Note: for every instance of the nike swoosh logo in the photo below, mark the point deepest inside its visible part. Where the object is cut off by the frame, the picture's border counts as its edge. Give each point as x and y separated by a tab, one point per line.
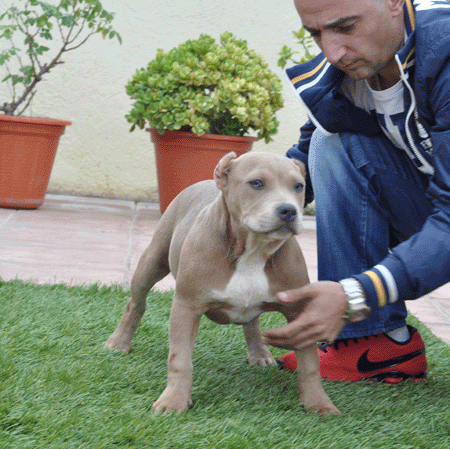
364	365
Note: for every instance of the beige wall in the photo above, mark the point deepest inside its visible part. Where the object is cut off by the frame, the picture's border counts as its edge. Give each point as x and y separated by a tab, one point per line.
97	155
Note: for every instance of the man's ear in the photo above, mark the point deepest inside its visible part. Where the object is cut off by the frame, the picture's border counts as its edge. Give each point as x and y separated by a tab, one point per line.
222	170
396	7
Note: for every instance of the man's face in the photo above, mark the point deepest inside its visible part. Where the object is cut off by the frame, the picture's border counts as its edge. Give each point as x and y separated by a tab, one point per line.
359	37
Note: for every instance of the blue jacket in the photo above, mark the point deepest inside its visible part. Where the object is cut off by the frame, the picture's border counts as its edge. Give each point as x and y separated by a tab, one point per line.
422	263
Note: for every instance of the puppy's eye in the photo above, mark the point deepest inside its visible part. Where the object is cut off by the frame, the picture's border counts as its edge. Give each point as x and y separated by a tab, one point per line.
298	187
257	184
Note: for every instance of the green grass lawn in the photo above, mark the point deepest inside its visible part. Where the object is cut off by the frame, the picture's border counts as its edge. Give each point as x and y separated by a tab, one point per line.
59	388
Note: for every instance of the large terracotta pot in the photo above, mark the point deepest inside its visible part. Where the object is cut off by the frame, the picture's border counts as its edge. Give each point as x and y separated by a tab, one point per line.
27	150
184	158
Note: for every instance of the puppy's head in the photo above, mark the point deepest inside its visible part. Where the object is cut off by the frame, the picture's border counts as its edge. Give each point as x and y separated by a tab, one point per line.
264	192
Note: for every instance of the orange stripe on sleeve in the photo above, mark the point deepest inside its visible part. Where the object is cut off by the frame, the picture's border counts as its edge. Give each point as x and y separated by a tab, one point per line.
381	293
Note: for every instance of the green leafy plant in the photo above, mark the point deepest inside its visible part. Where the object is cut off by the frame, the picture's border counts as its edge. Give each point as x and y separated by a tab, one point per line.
204	87
306	43
27	30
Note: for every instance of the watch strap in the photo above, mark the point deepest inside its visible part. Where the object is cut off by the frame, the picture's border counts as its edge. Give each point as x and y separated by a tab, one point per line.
357	308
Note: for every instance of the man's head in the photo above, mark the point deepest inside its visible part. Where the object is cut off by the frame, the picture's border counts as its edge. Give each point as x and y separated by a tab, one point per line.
359	37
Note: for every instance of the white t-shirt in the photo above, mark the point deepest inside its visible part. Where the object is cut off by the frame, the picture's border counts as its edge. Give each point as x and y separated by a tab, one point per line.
388	106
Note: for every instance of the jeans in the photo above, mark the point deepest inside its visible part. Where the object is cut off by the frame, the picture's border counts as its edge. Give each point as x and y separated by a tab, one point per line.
369	197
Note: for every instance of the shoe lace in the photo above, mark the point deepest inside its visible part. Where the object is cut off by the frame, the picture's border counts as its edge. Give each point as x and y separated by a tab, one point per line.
323	346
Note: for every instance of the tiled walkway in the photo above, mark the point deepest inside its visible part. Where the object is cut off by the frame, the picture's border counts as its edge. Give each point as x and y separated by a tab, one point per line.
76	240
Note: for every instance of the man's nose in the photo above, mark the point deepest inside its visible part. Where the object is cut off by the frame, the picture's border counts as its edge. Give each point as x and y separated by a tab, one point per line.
333	47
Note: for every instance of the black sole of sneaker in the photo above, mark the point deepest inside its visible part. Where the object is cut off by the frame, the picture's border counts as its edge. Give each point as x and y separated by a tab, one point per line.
394	377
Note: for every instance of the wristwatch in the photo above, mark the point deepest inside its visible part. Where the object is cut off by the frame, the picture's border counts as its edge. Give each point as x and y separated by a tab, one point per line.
357	308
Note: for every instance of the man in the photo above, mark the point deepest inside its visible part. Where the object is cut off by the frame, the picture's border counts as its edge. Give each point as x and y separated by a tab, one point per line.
377	148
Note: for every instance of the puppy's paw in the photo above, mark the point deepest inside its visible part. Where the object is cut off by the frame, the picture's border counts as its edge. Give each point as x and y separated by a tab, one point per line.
116	343
318	402
172	402
324	409
261	357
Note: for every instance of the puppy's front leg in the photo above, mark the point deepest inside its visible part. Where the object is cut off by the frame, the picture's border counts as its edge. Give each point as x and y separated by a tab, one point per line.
312	394
183	328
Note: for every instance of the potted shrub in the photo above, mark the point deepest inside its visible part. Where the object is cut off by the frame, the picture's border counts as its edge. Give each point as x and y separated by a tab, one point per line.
200	100
28	53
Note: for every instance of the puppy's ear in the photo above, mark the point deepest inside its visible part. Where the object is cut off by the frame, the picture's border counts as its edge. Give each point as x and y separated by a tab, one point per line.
223	169
301	166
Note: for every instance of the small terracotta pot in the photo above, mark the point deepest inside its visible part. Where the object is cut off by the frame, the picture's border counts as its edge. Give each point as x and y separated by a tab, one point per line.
184	158
27	150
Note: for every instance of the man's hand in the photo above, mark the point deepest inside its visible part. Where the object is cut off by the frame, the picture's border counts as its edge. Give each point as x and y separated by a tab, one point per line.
321	320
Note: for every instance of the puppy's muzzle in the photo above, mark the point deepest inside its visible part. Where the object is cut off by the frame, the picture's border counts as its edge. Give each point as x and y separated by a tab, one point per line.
287	212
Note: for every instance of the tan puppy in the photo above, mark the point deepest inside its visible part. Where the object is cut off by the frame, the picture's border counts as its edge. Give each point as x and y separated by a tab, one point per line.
230	245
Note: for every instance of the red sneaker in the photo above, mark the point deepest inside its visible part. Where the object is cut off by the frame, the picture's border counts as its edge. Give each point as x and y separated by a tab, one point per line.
377	357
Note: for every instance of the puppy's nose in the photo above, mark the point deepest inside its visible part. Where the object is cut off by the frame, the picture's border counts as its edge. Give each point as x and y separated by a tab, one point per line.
287	212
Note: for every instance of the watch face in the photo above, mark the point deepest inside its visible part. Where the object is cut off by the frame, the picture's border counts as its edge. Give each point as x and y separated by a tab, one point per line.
359	312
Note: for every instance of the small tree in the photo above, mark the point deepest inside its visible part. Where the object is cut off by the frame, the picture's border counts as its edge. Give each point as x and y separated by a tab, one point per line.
27	30
305	41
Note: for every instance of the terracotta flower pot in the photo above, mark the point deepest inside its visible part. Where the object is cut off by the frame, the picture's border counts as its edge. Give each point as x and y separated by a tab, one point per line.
27	150
184	158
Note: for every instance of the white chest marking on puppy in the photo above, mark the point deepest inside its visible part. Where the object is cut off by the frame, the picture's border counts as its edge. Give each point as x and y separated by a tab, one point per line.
247	290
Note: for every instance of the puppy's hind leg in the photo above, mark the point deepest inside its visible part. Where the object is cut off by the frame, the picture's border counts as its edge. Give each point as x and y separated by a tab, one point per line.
152	267
258	352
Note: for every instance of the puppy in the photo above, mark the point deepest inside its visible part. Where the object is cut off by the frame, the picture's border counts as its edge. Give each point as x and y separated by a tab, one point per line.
230	245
